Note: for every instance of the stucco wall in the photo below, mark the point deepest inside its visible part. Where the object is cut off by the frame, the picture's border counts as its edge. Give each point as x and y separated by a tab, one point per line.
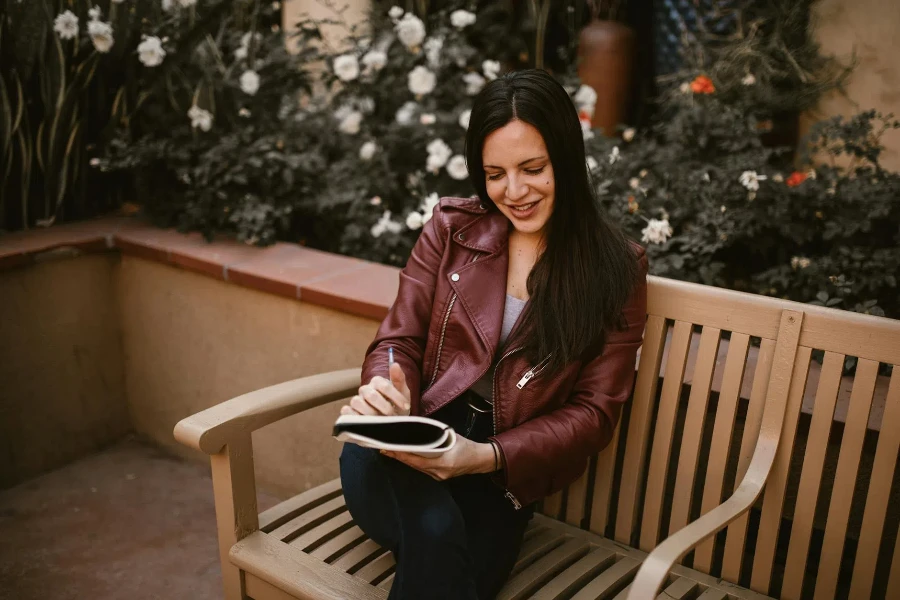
870	27
61	386
191	342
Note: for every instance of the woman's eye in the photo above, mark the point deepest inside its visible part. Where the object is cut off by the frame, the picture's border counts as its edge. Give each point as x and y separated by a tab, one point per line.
495	176
534	171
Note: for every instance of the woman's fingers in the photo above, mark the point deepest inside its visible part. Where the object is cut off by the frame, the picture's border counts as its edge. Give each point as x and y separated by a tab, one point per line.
348	410
386	389
377	401
362	407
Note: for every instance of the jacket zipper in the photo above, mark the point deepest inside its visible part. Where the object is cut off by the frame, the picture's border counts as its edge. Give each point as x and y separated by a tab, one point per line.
437	360
535	370
509	495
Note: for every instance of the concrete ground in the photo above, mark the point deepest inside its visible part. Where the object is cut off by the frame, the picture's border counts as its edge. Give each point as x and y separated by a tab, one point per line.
130	522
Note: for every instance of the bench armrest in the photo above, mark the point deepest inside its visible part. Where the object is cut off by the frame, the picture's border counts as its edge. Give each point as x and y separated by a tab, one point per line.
210	430
659	562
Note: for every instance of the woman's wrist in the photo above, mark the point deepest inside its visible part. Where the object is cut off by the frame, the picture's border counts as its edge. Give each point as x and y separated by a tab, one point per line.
487	458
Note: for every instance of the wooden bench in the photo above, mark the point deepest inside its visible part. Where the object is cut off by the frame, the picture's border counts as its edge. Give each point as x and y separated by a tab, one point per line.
657	511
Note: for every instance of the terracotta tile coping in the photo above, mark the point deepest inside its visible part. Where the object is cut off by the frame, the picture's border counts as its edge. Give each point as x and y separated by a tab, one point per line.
346	284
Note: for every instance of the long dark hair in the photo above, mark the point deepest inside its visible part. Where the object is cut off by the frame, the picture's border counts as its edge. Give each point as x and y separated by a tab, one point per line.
588	269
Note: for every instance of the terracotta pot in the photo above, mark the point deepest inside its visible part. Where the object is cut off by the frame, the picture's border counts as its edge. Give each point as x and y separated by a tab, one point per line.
606	57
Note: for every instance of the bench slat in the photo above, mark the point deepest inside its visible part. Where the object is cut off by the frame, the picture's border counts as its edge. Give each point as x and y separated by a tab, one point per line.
845	478
610	581
576	575
285	511
713	594
536	547
524	583
893	587
576	497
320	534
723	431
679	589
773	499
660	453
378	569
358	556
310	519
811	475
636	443
737	531
552	505
338	545
879	495
692	434
387	582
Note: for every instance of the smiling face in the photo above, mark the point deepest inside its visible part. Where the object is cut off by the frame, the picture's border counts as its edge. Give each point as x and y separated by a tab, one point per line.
519	176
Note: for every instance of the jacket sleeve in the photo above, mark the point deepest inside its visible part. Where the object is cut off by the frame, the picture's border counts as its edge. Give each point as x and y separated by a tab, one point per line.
406	325
545	454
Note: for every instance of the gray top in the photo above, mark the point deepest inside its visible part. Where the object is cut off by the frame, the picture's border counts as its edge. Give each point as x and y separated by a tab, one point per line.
484	387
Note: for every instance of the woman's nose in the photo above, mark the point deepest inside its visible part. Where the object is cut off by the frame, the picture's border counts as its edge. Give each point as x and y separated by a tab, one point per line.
515	189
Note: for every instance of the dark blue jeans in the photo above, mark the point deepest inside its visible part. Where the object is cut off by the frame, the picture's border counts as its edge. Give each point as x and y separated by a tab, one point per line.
454	540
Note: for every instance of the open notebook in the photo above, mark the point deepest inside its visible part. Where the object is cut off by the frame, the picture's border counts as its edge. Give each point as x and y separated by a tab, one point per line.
420	435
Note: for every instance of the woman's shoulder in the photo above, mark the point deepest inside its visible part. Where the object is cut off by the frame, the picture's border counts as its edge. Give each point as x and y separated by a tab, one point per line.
454	212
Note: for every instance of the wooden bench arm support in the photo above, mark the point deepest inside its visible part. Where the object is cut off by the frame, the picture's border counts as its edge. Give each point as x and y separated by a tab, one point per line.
210	430
659	562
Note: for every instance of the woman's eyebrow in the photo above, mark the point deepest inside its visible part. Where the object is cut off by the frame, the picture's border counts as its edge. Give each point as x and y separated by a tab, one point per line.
524	162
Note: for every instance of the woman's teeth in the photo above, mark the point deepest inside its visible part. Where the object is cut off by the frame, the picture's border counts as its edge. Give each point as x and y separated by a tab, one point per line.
524	207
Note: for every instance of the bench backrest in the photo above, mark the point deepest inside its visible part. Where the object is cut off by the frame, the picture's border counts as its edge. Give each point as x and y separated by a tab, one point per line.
688	434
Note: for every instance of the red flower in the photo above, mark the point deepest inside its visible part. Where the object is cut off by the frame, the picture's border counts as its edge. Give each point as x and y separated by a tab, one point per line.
702	85
795	179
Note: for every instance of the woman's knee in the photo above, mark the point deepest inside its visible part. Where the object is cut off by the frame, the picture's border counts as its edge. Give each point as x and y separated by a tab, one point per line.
440	525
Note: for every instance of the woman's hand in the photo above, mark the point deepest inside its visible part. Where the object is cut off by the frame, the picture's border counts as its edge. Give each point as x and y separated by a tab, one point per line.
465	458
381	397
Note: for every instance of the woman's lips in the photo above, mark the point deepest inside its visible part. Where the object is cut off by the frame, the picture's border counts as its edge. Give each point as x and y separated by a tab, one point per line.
524	211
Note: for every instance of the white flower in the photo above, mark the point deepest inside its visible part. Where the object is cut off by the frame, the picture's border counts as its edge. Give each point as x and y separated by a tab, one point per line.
585	99
247	38
385	224
395	13
346	67
427	119
457	168
778	177
685	88
474	83
375	201
634	183
592	163
491	69
421	81
614	155
433	48
95	13
365	105
464	118
438	155
66	25
800	261
187	3
587	132
168	5
118	1
410	30
428	204
643	172
628	134
243	112
150	51
367	151
350	124
414	220
240	53
750	180
462	18
101	35
200	118
250	82
405	113
657	231
374	60
749	79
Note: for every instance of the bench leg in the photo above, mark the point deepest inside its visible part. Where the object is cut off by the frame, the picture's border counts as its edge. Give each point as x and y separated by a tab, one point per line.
237	516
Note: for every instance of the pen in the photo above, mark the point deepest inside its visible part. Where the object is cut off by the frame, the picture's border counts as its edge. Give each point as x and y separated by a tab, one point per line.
390	358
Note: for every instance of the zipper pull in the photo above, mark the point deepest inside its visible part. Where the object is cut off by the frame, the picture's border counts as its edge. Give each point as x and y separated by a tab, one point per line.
525	379
513	499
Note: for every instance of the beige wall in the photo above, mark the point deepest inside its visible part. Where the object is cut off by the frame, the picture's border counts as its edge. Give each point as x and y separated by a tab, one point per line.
872	29
191	342
61	372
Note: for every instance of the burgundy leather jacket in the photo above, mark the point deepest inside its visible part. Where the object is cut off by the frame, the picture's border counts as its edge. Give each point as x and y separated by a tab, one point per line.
445	327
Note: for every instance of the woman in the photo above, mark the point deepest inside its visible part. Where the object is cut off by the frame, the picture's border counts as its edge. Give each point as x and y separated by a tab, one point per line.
517	322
